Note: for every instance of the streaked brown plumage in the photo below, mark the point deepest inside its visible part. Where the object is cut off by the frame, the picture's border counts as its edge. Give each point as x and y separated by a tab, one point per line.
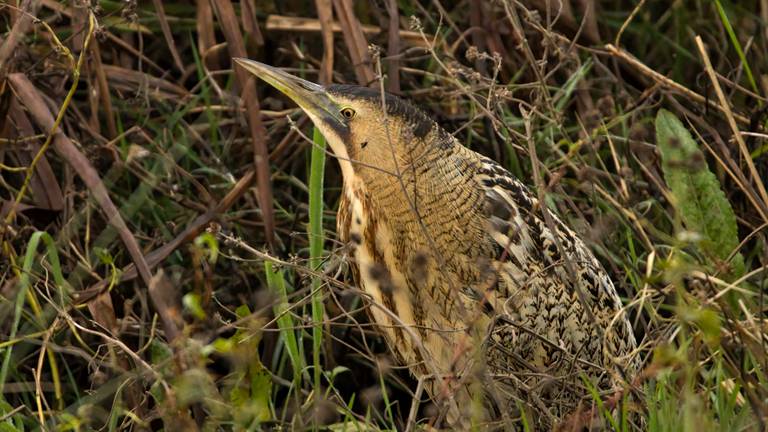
472	289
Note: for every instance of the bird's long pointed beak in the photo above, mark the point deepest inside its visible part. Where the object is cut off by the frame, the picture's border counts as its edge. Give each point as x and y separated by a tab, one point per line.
311	97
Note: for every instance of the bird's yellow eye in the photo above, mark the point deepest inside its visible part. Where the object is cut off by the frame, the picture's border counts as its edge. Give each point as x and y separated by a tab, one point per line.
348	113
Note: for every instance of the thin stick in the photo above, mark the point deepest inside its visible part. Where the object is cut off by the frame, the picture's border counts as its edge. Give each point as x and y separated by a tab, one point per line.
325	15
626	23
668	82
732	123
59	117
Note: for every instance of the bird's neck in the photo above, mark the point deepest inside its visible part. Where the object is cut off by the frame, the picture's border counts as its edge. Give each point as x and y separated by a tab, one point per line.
433	204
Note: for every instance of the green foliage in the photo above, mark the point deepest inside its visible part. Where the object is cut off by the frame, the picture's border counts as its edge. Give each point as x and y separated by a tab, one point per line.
665	412
736	46
701	203
674	403
25	294
208	244
193	304
264	339
316	242
706	320
9	422
285	322
250	386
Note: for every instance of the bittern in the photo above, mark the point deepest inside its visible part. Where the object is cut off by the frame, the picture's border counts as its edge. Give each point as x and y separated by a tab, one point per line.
480	293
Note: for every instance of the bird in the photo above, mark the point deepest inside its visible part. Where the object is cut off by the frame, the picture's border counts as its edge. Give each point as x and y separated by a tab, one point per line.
496	306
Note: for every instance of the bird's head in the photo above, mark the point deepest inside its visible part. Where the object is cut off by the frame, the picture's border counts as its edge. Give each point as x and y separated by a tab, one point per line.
364	134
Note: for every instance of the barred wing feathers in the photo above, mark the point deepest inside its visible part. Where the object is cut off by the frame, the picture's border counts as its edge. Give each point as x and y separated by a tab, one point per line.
548	314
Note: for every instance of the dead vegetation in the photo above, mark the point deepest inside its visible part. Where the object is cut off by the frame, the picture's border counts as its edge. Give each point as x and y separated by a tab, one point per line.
159	251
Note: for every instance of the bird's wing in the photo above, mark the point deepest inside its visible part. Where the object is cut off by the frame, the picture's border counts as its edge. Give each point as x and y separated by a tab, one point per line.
557	294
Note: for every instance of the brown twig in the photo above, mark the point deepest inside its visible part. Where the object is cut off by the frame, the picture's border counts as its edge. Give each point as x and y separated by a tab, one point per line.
33	101
665	82
617	39
514	20
190	232
726	108
44	187
589	17
306	25
393	48
165	298
167	34
325	15
28	11
250	24
229	25
103	90
564	18
206	34
132	79
355	41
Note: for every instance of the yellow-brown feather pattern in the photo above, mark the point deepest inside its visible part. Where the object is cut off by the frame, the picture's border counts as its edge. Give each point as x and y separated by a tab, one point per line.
467	245
478	292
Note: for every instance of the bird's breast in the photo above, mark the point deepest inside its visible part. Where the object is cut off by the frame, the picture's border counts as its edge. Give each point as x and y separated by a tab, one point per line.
412	292
392	307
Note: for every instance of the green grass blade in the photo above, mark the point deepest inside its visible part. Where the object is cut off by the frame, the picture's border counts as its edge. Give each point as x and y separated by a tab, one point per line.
737	46
607	415
276	282
316	240
563	96
24	285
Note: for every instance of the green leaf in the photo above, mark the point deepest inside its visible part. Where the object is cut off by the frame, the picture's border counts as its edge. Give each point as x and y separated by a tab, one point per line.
249	387
208	243
242	311
707	320
194	305
261	391
276	283
709	323
159	352
700	201
11	423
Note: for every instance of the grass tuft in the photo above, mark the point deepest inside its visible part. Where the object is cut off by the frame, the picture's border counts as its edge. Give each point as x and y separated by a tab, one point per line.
169	257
